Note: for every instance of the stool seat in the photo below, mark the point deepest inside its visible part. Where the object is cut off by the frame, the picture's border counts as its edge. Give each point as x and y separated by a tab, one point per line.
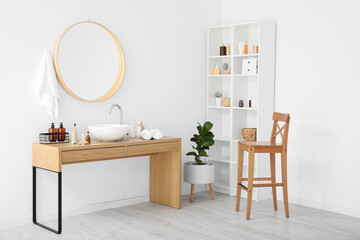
261	147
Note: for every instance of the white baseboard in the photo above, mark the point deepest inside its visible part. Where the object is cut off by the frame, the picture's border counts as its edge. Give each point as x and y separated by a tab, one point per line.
324	206
75	211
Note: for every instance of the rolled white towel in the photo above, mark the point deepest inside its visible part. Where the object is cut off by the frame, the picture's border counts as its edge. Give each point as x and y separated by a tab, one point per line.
146	134
156	134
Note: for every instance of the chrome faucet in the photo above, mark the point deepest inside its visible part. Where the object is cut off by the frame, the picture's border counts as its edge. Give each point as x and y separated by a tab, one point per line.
121	113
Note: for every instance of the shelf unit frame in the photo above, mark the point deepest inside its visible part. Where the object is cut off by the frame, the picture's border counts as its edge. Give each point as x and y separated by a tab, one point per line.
226	166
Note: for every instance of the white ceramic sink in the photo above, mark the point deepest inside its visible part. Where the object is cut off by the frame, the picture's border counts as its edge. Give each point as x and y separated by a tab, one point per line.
109	132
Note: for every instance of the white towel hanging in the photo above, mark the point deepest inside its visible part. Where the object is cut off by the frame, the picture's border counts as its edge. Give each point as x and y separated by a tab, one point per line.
47	88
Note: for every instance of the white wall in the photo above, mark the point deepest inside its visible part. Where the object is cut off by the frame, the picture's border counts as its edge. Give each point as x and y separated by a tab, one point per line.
164	86
317	71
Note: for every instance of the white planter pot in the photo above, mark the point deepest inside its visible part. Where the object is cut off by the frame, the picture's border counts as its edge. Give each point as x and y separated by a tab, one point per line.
218	102
199	174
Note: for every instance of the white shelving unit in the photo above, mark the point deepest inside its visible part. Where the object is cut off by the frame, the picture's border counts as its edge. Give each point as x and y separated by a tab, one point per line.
228	121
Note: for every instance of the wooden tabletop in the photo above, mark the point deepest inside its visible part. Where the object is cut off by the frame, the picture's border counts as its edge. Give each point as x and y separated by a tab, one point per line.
126	141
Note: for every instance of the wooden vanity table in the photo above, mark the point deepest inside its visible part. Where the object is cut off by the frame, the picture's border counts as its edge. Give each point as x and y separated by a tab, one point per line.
165	165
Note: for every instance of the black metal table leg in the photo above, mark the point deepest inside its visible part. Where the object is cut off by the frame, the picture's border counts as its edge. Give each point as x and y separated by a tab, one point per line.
59	203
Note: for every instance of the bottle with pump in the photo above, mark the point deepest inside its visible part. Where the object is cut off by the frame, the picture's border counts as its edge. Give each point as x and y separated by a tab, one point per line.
73	135
246	48
88	139
53	133
138	130
61	131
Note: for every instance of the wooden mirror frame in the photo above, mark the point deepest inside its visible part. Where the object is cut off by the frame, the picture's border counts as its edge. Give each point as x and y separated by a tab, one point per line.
119	77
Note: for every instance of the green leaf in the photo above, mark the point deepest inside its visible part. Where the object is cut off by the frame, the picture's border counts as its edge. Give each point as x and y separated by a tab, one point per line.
200	129
207	126
209	135
208	143
192	154
202	153
197	160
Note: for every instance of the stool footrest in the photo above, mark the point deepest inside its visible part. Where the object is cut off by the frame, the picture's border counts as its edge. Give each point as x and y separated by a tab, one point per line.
268	185
243	187
258	179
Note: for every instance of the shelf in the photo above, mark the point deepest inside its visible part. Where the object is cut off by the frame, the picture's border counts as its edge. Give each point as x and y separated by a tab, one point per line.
222	139
245	108
221	107
219	160
226	56
222	75
241	75
247	55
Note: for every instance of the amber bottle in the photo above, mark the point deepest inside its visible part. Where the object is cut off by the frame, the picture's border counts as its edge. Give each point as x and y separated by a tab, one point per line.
88	139
61	132
222	50
53	133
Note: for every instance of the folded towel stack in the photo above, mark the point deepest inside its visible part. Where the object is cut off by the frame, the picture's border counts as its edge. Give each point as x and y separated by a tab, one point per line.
153	134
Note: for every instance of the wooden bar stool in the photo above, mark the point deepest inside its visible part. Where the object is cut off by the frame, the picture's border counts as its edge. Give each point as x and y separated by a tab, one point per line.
265	147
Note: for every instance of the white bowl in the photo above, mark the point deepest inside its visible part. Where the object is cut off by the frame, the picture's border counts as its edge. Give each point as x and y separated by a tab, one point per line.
109	132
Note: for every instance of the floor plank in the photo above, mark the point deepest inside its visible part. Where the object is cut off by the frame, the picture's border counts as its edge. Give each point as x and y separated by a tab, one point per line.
203	219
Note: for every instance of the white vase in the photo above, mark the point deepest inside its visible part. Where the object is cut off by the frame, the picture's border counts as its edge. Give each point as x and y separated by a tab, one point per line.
199	174
218	102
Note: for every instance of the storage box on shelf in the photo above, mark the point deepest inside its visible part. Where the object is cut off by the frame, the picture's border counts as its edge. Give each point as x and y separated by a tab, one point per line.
259	85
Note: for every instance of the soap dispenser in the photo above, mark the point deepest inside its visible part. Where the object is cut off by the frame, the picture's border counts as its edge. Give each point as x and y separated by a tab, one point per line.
73	135
88	138
53	133
138	130
61	132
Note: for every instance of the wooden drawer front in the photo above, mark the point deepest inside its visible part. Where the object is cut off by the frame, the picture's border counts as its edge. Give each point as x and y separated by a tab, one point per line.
92	154
152	148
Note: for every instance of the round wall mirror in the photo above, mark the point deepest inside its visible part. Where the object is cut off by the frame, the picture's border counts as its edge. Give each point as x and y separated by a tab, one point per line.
89	62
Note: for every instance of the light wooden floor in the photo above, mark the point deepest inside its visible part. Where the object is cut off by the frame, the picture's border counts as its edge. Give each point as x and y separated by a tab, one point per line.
203	219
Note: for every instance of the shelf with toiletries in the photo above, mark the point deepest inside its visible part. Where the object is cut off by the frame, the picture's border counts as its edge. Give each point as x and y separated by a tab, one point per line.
250	79
245	94
217	37
246	35
219	66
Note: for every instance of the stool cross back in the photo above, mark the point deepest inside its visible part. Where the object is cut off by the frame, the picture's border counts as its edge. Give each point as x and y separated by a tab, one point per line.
265	147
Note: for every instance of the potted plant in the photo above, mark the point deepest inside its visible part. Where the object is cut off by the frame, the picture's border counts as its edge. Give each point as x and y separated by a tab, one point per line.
200	171
218	96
